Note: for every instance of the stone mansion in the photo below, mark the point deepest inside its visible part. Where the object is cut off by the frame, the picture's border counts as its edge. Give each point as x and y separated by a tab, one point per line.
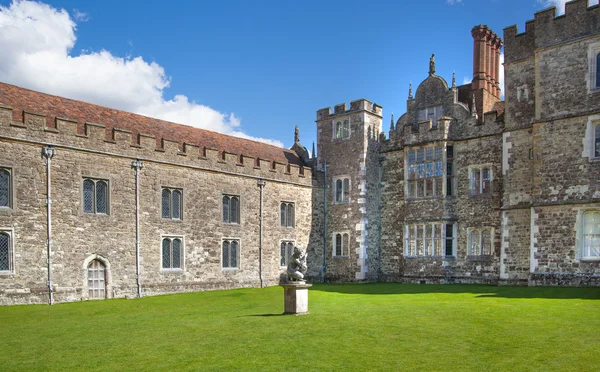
463	188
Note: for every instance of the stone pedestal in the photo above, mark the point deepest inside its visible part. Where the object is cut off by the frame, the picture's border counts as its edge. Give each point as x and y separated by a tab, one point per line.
296	298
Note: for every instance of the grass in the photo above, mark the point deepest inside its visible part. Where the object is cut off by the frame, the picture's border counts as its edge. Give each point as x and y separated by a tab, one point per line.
351	327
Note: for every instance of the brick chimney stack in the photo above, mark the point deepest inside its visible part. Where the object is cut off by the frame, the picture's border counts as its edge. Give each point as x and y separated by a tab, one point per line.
486	67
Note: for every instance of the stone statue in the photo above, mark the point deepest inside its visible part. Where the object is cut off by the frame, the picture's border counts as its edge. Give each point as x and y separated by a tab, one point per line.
297	266
432	65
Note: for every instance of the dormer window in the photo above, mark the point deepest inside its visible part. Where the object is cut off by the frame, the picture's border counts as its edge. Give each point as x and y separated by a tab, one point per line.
430	113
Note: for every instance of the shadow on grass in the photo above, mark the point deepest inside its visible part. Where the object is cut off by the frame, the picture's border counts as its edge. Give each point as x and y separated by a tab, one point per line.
592	293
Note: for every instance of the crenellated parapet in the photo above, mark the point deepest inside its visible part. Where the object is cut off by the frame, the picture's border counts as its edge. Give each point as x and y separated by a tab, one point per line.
547	29
36	127
356	106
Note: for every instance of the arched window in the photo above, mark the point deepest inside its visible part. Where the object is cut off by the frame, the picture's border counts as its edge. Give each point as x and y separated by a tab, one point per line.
342	130
231	209
591	235
231	253
286	211
96	280
6	263
95	196
342	190
286	250
340	244
480	242
598	70
338	130
172	253
5	188
171	203
597	141
346	129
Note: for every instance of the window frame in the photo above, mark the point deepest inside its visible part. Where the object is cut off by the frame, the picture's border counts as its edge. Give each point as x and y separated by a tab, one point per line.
481	231
11	250
239	203
172	237
171	190
581	235
288	249
343	250
593	78
428	112
11	188
344	129
95	180
428	226
238	253
478	169
346	187
284	214
416	186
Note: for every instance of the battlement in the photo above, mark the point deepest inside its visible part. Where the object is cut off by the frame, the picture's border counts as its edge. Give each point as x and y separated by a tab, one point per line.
355	106
547	29
68	133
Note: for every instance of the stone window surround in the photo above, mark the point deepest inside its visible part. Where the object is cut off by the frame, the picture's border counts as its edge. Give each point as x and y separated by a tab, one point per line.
479	167
431	113
342	178
239	208
182	258
107	273
285	260
346	249
239	253
481	230
11	188
443	238
591	78
288	224
11	250
443	186
181	201
342	124
108	195
580	238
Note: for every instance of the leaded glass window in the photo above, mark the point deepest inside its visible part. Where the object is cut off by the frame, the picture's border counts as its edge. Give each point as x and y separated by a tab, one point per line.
172	253
231	209
479	242
591	234
96	280
287	214
342	130
5	188
171	201
230	252
597	141
425	172
286	250
341	242
429	239
6	258
95	196
342	190
481	179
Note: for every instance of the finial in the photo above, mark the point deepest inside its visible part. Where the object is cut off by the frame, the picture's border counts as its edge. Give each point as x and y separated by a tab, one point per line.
410	90
297	135
473	107
453	79
392	123
313	150
432	65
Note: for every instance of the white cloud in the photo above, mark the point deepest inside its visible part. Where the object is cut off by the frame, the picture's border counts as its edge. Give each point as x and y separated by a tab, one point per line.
36	42
466	80
452	2
80	16
560	4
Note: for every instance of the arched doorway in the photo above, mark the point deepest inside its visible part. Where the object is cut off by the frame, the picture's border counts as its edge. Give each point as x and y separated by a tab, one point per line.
96	280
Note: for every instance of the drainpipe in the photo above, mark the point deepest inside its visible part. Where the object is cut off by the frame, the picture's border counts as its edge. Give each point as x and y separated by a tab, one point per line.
48	152
137	165
261	184
322	270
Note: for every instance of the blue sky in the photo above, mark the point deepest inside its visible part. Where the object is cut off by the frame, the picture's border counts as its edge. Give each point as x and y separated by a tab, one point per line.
248	68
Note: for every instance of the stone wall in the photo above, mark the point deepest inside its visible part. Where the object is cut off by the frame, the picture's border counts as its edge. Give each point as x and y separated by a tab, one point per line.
78	237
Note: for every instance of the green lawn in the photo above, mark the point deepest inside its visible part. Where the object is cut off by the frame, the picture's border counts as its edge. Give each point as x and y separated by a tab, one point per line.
351	327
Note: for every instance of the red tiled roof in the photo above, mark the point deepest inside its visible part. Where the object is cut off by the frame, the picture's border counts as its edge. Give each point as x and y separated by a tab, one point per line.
52	106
